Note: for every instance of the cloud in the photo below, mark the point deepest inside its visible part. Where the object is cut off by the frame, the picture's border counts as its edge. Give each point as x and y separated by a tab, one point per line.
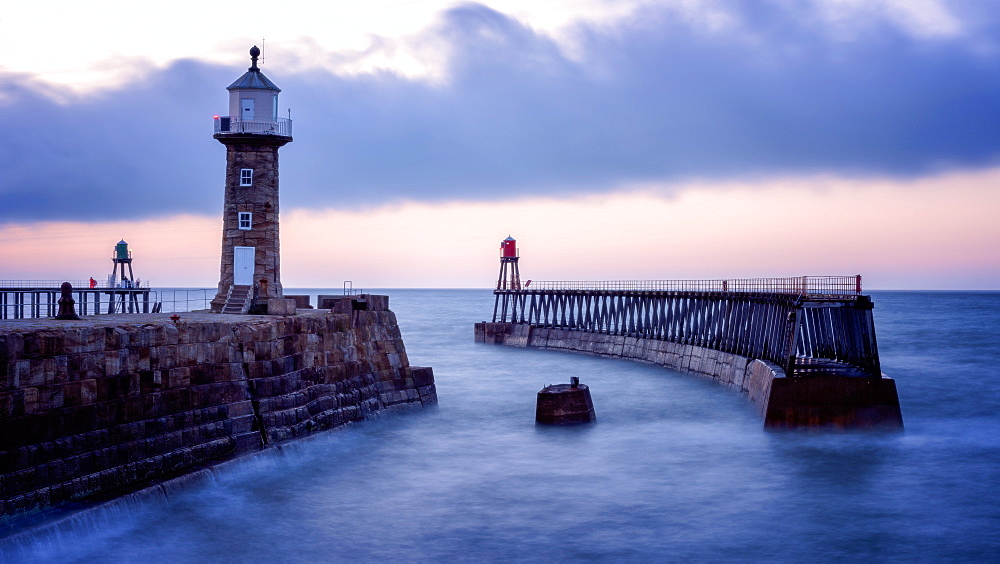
777	89
142	151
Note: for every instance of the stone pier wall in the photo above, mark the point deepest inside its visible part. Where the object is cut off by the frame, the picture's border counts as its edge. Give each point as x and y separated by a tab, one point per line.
815	401
748	376
105	405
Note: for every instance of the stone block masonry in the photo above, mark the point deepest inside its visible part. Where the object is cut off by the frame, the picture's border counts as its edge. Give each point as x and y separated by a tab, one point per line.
106	405
838	402
259	199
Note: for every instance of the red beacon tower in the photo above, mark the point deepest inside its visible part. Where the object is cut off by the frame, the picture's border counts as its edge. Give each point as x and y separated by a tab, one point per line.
508	293
510	278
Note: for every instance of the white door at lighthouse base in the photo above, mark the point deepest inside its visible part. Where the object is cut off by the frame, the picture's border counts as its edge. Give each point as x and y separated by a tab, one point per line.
243	262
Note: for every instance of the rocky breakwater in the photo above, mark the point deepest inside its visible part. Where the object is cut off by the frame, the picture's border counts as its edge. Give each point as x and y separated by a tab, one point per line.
106	405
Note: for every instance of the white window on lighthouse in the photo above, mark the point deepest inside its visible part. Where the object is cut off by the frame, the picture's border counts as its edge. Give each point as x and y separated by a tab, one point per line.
246	219
246	109
246	177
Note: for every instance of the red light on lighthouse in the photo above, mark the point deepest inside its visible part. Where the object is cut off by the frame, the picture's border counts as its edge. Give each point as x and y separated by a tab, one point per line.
510	279
508	247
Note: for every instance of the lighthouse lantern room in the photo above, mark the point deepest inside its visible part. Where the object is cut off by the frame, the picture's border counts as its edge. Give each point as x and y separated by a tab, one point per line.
509	278
508	248
122	257
253	104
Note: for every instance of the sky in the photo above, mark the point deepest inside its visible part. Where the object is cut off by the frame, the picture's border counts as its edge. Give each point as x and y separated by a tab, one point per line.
613	139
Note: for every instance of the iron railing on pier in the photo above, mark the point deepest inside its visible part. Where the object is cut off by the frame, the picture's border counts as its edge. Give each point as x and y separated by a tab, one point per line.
32	302
797	285
29	303
57	284
823	320
184	299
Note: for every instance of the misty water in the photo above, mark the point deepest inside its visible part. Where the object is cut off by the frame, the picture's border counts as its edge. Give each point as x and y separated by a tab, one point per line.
676	467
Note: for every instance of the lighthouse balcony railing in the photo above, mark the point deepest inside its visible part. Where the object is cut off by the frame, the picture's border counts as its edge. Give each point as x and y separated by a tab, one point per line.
233	125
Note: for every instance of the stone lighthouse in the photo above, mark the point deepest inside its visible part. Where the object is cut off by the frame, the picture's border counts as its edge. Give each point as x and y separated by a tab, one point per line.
252	134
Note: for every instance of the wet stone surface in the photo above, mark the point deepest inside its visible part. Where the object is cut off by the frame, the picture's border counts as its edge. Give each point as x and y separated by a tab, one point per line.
108	403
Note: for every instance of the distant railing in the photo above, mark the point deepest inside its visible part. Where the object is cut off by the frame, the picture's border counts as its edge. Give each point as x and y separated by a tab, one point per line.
801	285
821	318
43	301
180	301
232	124
77	284
350	290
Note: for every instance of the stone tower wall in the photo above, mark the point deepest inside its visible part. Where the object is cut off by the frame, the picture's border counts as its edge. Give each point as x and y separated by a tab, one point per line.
259	153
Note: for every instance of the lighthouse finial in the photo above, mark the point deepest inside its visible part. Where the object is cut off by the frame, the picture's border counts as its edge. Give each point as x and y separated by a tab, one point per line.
254	53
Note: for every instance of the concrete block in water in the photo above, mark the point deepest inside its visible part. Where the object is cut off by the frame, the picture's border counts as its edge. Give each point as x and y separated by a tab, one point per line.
837	402
562	404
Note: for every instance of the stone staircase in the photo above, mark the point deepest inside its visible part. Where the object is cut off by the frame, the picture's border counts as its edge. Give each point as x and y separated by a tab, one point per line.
238	300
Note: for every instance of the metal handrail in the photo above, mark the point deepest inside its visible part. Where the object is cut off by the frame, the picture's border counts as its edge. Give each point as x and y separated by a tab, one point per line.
77	284
180	301
800	285
34	303
349	289
252	299
234	125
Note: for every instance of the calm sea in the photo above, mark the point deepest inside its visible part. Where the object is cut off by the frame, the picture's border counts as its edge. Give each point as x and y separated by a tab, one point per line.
676	468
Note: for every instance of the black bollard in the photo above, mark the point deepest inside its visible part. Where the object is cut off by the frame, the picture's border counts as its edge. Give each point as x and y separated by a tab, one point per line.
67	303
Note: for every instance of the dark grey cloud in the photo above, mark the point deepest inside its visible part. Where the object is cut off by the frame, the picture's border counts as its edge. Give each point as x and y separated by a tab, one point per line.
652	99
143	151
